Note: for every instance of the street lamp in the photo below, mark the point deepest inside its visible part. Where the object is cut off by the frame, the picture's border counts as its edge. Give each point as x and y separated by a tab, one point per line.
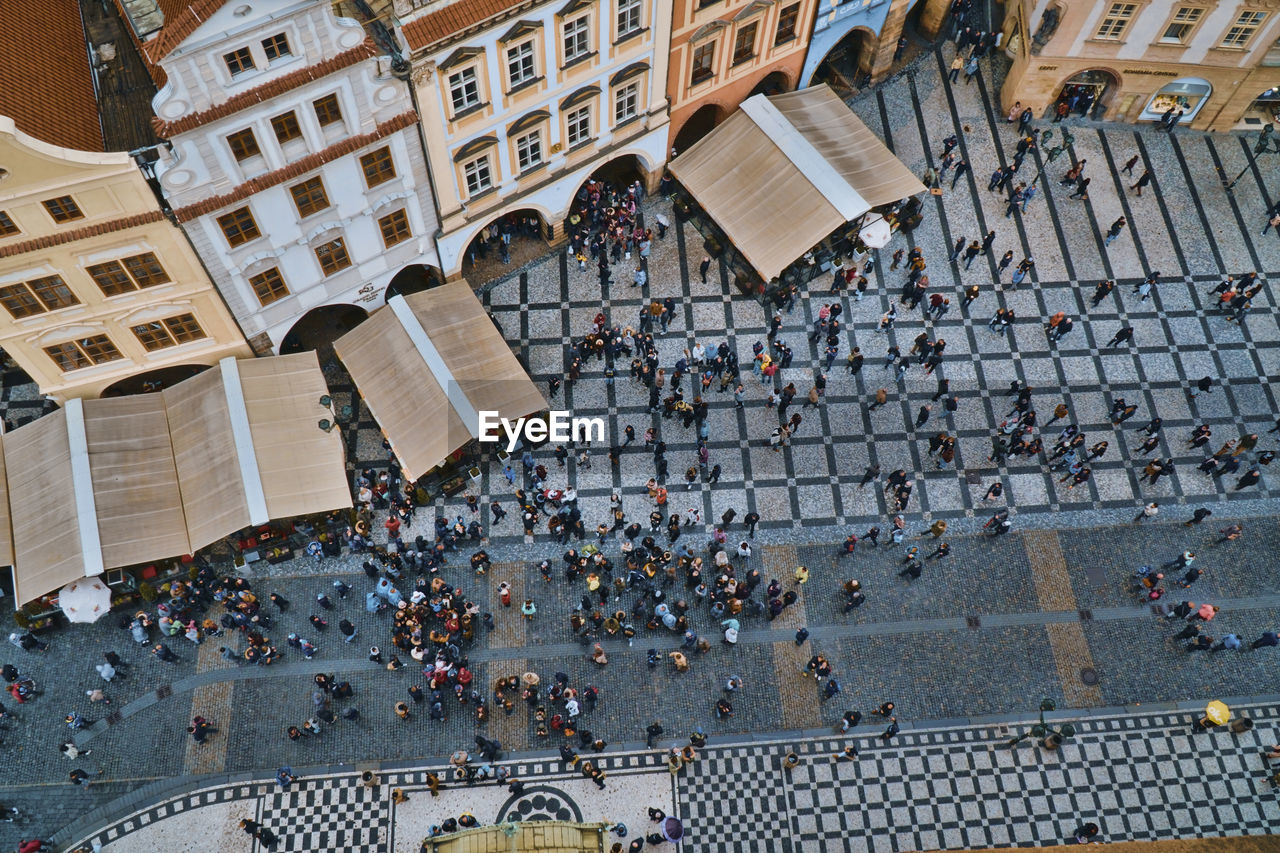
1050	738
1262	146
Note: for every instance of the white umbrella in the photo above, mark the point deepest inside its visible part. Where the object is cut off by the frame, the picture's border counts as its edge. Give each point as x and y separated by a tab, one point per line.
876	235
84	600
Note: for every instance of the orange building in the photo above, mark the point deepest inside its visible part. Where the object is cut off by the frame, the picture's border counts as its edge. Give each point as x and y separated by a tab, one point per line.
724	51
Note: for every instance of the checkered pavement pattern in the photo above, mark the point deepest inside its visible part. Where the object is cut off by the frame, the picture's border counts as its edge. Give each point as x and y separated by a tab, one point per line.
328	814
1144	777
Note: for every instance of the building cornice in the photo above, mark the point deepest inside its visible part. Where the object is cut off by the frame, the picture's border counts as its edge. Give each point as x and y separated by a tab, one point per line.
72	235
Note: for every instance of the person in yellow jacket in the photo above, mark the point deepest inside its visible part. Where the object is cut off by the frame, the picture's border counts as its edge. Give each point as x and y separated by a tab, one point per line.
802	575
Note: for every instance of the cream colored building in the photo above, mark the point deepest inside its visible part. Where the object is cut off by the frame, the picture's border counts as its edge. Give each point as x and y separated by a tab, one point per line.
522	101
96	285
1216	60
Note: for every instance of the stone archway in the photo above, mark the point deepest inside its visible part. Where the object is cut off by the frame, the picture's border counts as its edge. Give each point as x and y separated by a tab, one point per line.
773	83
1087	93
320	327
506	242
845	64
414	278
151	381
696	126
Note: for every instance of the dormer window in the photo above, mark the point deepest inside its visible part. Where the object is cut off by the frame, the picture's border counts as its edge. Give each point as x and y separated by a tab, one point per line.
276	47
239	61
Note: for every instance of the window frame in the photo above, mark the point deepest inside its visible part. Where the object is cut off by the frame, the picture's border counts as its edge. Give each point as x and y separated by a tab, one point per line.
88	352
752	27
268	283
56	286
468	84
244	144
631	8
309	196
790	35
289	122
709	66
234	61
20	302
1249	31
1114	25
512	62
62	209
128	275
1188	27
271	43
483	170
395	224
335	251
571	119
581	25
146	270
632	89
529	144
7	226
328	109
383	165
242	233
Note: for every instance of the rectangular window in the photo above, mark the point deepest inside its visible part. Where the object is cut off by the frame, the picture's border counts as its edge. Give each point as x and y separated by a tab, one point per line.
243	144
309	196
286	127
464	90
238	227
111	278
169	333
395	228
529	150
53	292
62	209
6	225
1116	21
478	176
85	352
276	47
238	61
1180	27
268	286
704	57
1242	30
787	19
520	65
333	256
146	270
744	46
626	103
579	126
378	167
628	17
327	110
19	301
577	38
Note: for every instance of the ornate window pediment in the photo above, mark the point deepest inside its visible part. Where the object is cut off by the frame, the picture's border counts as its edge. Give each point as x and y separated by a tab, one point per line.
520	30
459	56
586	93
474	147
632	70
527	121
752	8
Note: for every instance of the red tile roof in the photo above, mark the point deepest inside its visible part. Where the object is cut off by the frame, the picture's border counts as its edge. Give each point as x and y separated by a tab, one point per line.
73	234
295	170
456	18
267	91
46	86
181	19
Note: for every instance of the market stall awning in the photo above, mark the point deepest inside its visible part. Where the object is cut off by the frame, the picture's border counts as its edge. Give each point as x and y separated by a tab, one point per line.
785	171
426	364
119	482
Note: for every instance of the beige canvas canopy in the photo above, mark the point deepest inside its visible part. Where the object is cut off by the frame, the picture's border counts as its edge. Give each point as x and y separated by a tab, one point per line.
785	171
426	365
109	483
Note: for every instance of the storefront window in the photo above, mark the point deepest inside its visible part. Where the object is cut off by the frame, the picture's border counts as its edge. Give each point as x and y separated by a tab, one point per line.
1188	94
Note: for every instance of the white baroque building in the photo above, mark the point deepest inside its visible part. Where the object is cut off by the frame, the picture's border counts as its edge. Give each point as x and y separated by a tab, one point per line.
294	160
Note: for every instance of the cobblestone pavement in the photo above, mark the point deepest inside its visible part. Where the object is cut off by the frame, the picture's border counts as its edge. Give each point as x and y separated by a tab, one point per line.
1137	776
1041	612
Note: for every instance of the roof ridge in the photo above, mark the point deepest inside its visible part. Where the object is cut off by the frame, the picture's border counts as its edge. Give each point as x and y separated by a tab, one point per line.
175	31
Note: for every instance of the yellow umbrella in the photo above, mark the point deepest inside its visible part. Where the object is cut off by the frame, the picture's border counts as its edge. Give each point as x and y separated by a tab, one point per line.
1217	713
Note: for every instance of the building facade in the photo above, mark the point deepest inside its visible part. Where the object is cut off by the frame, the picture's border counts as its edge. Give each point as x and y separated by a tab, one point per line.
522	101
724	51
96	284
1218	61
853	38
293	160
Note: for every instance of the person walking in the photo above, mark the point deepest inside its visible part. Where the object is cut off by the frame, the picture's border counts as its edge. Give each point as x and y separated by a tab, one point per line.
703	267
1114	231
1142	181
1124	335
1148	511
